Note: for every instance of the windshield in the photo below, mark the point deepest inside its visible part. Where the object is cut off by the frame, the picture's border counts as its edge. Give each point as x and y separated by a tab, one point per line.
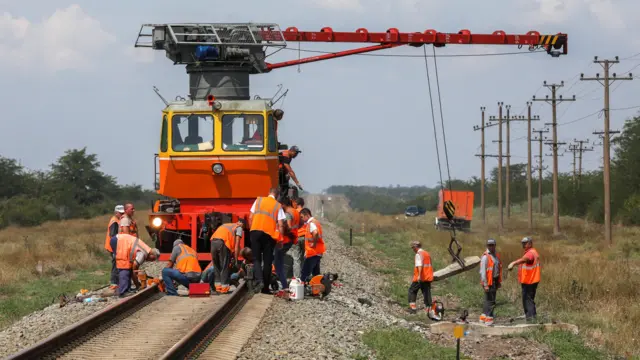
193	132
412	208
242	132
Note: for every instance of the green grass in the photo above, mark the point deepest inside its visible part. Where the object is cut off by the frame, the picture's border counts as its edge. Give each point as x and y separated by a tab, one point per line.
17	300
398	343
565	345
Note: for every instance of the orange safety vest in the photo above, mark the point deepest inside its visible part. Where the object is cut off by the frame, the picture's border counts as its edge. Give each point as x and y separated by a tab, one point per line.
107	242
187	261
133	228
530	273
227	233
319	249
490	266
265	217
128	246
426	274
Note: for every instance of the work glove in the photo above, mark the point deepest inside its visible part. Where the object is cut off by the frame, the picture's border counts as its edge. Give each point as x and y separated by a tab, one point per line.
300	187
486	288
510	265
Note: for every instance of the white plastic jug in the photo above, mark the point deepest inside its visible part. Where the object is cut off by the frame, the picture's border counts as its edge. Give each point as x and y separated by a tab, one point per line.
296	289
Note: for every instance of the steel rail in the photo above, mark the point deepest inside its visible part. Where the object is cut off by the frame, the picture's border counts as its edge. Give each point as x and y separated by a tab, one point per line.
72	333
199	338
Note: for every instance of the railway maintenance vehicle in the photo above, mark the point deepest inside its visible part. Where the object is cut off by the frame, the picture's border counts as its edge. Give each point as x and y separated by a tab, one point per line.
219	148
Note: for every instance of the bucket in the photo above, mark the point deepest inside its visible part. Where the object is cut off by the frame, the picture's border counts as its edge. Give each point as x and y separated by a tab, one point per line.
296	290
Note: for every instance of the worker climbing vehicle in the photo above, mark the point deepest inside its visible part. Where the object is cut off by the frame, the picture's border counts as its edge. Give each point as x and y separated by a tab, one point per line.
219	148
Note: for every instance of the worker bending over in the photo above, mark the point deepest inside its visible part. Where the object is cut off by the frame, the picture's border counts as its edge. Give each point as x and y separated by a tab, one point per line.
529	277
183	267
297	249
266	220
287	238
285	170
127	224
422	278
112	230
131	252
490	279
225	248
313	245
237	270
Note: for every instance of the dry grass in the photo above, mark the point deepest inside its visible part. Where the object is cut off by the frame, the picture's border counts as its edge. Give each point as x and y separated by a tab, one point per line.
60	247
584	281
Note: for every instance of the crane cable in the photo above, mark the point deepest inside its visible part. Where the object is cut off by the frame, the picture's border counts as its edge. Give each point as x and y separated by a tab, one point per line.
433	118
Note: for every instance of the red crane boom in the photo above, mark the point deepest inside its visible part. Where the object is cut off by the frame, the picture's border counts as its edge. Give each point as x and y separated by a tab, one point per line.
393	38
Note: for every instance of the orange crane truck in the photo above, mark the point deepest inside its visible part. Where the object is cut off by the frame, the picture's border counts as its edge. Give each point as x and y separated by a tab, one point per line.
463	202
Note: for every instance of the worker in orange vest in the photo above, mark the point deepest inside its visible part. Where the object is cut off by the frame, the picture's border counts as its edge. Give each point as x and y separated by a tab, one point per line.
490	279
127	224
529	277
225	249
313	245
288	239
422	278
112	230
265	222
297	249
131	252
183	267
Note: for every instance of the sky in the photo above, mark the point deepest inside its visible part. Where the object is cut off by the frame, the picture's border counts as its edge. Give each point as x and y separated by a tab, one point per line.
71	78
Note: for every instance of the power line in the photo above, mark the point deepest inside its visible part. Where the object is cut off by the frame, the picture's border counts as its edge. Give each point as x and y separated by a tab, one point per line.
421	56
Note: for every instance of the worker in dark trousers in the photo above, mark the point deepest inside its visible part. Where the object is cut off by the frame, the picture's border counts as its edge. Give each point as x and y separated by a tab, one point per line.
490	279
422	278
266	220
297	250
529	277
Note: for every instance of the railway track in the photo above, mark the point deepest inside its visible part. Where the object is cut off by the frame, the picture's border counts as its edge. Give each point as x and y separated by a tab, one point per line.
149	325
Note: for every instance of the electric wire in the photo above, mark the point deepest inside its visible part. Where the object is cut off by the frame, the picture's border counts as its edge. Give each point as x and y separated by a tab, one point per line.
433	115
419	56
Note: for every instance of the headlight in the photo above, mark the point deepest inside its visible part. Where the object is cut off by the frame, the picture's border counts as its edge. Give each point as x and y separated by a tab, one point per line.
217	169
156	222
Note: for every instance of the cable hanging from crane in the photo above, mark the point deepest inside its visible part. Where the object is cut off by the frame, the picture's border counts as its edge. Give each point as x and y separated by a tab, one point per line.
448	206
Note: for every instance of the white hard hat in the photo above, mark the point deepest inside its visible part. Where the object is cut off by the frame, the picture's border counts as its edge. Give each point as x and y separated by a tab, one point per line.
120	209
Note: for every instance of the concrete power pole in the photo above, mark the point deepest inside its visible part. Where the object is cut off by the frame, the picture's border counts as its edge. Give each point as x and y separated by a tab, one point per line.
606	64
540	139
553	101
579	149
529	197
482	160
493	118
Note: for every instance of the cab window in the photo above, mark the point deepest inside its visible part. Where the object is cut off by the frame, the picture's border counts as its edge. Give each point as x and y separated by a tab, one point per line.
164	143
193	132
242	132
273	141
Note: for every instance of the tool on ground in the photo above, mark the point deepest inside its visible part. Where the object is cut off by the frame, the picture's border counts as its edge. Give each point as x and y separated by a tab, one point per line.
437	310
142	277
199	290
320	285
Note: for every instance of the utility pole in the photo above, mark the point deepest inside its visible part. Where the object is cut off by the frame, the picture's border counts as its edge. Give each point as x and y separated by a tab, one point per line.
529	197
508	174
553	102
606	65
574	150
540	139
580	149
493	118
482	160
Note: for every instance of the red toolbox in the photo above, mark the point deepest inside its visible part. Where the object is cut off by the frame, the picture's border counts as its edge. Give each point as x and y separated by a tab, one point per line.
199	290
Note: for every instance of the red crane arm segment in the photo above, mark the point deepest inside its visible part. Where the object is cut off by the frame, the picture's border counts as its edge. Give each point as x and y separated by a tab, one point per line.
392	38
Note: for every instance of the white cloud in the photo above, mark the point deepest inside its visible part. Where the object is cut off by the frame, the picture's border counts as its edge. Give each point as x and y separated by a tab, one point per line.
606	12
68	39
338	4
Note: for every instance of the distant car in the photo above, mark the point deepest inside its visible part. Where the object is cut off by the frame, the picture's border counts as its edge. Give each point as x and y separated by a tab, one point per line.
414	211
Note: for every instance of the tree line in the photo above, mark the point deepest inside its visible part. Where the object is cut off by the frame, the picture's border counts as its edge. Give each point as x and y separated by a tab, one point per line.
580	196
73	187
